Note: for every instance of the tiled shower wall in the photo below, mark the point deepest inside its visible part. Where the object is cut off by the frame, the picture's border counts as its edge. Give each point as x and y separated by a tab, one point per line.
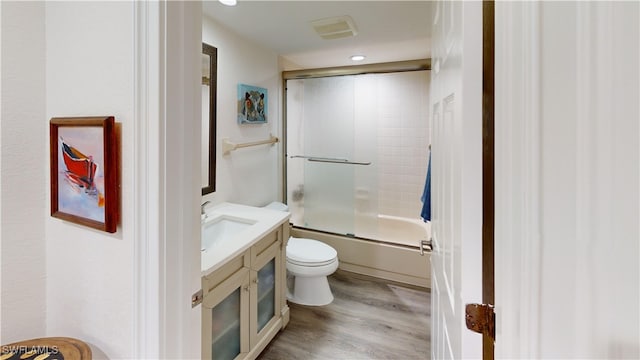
403	142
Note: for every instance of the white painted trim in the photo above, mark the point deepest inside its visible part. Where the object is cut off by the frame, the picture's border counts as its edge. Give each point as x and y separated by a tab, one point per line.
1	218
180	185
517	179
148	240
168	38
586	142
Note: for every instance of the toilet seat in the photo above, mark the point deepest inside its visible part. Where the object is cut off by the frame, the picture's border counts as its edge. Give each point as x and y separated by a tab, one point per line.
308	252
305	271
314	264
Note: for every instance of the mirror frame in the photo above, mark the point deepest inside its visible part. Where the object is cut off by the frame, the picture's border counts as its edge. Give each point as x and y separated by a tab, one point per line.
213	81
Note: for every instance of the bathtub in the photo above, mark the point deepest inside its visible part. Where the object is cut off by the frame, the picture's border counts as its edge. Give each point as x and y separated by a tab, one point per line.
384	246
396	230
386	228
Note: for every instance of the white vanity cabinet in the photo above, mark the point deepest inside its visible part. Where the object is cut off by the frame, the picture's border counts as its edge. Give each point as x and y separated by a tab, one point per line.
244	304
225	322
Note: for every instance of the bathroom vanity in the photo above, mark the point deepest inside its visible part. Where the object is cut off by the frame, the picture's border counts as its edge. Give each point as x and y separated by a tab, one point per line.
243	280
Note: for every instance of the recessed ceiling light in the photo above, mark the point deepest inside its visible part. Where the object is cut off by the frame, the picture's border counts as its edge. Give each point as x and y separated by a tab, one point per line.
228	2
357	57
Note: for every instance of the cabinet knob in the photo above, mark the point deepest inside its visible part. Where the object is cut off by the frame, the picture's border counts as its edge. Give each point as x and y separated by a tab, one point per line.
246	288
255	280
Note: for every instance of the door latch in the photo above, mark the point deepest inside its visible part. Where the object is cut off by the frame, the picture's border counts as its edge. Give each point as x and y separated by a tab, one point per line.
196	299
481	318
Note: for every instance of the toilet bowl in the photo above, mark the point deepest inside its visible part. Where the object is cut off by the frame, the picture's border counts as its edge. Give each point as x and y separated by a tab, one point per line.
309	262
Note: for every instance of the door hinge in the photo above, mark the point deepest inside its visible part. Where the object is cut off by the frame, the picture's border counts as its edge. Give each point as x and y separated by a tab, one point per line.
196	299
482	319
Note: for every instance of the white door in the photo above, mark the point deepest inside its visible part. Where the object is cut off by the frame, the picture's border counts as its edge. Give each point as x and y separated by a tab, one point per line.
568	180
456	170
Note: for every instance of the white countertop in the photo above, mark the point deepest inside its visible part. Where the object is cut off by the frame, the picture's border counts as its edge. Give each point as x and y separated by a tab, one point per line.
266	220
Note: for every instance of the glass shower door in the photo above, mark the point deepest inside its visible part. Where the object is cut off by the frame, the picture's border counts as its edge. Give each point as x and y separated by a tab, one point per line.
321	181
357	154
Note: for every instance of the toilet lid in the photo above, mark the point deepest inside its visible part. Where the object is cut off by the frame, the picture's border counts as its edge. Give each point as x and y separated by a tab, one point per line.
308	251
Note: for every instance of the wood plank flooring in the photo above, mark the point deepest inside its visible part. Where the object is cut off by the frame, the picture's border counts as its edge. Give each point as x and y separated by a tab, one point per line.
370	318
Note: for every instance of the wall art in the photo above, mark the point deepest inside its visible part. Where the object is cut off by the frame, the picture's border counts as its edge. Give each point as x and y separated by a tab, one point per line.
84	171
252	104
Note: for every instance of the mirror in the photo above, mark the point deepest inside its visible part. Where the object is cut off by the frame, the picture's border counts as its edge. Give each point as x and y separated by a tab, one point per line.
208	137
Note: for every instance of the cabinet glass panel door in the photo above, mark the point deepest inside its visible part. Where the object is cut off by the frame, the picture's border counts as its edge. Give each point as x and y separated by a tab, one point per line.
266	293
225	320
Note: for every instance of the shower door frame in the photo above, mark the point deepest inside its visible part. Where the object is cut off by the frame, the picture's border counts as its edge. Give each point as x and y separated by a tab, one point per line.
379	68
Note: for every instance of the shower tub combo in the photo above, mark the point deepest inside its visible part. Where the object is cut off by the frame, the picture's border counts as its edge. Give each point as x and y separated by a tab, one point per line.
385	246
356	150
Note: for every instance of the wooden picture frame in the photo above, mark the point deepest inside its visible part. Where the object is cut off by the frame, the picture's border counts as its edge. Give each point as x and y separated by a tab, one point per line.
84	171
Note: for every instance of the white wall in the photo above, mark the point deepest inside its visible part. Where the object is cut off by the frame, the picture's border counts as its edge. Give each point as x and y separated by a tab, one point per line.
249	175
89	55
590	176
567	180
23	165
64	59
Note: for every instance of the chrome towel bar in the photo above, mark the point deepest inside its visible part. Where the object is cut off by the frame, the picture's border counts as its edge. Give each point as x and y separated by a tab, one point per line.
329	160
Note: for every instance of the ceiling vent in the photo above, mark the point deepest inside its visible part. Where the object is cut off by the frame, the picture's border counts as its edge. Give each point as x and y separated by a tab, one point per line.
335	27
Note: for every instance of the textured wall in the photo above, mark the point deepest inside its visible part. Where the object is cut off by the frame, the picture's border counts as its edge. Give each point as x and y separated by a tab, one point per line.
249	175
89	53
23	167
403	141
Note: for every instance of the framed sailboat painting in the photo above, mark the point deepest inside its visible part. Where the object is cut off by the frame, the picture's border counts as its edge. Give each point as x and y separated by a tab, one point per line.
84	179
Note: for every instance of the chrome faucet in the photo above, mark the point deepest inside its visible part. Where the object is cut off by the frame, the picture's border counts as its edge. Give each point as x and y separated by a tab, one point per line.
203	207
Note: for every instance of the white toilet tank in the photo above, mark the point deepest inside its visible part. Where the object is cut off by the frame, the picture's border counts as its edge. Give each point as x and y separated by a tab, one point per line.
276	205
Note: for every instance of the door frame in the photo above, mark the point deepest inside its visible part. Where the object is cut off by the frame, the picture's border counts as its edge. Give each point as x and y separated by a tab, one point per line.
167	98
488	166
517	175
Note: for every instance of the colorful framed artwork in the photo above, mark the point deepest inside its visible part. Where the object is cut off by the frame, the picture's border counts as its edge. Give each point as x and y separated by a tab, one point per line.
252	104
84	172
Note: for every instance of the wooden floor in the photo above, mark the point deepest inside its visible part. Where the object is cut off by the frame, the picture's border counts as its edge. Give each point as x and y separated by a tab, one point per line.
369	319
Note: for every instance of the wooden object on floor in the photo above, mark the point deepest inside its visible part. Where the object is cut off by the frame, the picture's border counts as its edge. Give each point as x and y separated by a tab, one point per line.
370	318
46	348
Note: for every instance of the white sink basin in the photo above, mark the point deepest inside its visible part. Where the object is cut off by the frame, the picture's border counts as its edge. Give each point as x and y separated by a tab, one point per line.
229	229
222	229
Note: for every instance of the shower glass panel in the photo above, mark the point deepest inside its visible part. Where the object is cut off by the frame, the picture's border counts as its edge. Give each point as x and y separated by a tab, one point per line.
323	196
330	171
357	151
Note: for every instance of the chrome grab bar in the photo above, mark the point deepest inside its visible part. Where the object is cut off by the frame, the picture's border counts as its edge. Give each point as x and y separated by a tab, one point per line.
329	160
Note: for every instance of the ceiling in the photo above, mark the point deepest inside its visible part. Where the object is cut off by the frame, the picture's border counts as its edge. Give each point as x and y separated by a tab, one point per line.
387	30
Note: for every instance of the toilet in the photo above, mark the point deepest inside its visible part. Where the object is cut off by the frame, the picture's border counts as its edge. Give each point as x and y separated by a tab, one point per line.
309	262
